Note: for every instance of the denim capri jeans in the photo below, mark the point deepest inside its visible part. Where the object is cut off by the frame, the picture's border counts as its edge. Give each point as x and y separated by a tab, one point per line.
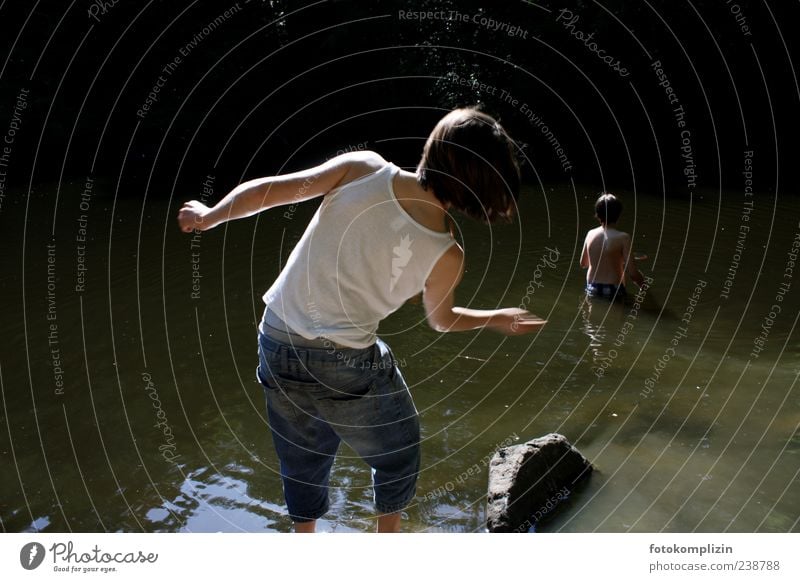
319	394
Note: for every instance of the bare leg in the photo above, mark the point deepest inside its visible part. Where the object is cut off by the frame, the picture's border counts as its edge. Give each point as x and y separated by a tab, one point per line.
305	526
389	522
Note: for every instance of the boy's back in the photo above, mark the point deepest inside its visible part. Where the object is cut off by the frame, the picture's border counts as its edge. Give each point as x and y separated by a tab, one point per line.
605	253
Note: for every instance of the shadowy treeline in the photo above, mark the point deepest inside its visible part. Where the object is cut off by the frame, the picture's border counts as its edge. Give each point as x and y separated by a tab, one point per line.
158	95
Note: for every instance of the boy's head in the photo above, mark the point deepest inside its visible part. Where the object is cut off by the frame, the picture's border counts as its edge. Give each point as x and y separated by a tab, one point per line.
469	163
607	209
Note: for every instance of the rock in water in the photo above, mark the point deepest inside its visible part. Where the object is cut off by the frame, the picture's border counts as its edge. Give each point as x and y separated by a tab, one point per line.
527	481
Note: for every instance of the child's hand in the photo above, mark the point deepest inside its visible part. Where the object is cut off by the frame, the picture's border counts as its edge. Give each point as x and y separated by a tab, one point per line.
637	278
193	216
513	321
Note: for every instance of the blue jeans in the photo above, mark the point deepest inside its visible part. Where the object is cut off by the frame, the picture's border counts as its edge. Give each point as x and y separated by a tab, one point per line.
319	394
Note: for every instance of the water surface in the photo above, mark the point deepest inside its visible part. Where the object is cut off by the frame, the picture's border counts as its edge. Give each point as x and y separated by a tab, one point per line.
160	425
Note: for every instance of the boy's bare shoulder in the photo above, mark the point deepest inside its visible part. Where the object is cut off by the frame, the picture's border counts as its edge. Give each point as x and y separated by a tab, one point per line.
619	239
366	157
623	236
594	232
614	234
361	163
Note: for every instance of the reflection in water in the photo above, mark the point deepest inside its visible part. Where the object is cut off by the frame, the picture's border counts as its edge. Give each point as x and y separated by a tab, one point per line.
596	331
708	443
612	323
209	501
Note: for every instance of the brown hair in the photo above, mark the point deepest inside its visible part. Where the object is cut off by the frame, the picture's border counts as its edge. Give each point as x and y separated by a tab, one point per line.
469	163
607	209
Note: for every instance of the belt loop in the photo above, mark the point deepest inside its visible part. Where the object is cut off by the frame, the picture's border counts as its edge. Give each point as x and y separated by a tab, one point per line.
284	359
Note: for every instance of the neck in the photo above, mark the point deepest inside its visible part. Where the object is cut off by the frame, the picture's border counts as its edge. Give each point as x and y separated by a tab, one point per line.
427	195
420	203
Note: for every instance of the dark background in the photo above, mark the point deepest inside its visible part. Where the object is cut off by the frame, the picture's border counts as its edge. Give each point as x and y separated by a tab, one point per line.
281	85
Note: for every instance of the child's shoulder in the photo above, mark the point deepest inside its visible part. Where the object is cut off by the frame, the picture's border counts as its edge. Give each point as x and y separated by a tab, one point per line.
608	234
617	237
367	157
362	162
359	164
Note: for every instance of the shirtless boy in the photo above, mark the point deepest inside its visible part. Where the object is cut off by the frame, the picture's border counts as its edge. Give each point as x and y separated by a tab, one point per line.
607	253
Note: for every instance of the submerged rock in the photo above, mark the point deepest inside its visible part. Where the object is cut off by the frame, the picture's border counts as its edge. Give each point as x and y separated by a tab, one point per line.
528	481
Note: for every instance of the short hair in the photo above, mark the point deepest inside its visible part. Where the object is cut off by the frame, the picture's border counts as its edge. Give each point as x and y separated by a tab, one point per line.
469	162
607	208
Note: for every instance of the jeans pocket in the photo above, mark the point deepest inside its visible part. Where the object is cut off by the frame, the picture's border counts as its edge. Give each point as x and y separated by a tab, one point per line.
351	392
351	409
266	376
273	378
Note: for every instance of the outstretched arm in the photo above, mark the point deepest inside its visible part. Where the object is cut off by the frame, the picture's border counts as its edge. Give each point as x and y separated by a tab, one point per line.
629	261
443	316
262	193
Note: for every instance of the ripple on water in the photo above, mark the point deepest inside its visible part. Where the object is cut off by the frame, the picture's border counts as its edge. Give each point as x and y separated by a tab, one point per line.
212	502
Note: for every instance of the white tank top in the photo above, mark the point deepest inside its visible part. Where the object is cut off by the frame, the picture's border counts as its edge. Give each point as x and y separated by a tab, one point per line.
361	257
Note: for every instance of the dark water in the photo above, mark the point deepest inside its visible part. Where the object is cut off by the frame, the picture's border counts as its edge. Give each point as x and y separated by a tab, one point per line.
159	424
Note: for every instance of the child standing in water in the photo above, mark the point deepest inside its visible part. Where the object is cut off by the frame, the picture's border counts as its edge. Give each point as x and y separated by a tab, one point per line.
607	253
380	237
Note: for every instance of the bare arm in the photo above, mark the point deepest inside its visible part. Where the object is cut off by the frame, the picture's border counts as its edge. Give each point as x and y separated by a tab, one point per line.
585	253
443	316
629	262
262	193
